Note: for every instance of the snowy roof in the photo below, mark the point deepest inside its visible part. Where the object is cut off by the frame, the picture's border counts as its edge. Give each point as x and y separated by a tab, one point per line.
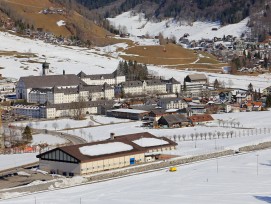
108	148
123	110
150	142
171	110
123	145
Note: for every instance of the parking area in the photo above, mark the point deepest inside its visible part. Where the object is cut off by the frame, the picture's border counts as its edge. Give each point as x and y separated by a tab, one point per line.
22	177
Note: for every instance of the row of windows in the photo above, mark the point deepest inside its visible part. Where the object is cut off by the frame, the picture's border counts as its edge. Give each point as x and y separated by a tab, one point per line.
114	164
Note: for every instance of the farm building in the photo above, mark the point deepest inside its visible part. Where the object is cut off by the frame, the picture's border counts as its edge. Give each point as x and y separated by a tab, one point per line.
196	78
174	121
116	152
132	114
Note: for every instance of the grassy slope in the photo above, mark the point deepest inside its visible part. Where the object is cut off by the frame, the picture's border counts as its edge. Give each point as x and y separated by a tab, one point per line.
173	56
77	25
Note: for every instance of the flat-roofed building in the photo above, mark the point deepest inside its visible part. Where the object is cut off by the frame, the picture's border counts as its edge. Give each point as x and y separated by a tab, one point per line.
116	152
132	114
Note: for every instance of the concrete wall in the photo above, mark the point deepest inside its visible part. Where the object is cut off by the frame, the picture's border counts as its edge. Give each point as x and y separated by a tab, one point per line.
59	167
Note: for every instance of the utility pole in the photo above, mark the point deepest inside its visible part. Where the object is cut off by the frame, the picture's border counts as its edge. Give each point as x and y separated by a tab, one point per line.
257	164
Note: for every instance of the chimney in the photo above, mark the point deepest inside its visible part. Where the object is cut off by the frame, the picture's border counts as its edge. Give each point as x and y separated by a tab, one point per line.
112	136
63	72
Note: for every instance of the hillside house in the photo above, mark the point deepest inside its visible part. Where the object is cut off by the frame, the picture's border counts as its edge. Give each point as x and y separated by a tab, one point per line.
201	119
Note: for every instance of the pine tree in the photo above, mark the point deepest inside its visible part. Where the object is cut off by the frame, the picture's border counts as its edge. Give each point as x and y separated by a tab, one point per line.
216	84
250	88
27	134
184	86
268	101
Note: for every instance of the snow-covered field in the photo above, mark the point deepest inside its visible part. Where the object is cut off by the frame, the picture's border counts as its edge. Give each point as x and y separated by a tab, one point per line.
258	82
75	59
58	124
49	139
108	120
246	119
13	160
229	180
70	59
137	25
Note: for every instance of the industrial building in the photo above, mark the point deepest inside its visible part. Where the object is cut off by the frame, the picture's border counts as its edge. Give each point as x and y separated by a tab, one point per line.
113	153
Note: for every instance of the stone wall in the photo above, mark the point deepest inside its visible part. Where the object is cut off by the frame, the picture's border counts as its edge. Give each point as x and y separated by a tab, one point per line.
260	146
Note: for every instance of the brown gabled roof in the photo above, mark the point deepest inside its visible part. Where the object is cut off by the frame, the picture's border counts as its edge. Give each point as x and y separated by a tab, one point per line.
158	111
201	118
174	119
51	81
73	150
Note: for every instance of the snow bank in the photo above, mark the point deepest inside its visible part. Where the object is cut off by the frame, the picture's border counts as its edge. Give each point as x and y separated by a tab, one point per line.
22	173
61	23
66	182
49	139
108	148
149	142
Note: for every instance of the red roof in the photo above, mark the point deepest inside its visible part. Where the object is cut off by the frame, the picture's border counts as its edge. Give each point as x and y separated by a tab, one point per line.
201	118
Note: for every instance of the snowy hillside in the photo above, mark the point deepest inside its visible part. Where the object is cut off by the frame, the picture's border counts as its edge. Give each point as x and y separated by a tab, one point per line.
137	25
16	62
22	57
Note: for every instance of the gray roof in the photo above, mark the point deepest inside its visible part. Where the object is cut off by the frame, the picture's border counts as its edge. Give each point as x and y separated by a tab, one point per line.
196	77
171	81
51	81
144	107
131	84
174	118
99	76
66	106
89	88
154	82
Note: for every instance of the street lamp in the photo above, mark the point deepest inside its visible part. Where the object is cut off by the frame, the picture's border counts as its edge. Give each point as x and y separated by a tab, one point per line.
257	164
216	165
195	138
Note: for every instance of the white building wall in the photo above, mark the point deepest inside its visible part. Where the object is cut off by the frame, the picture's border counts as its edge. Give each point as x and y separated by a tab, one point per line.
107	164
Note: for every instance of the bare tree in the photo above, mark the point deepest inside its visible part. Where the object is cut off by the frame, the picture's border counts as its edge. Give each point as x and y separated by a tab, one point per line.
201	135
55	125
210	134
205	135
218	134
192	136
78	108
231	133
196	135
179	137
227	134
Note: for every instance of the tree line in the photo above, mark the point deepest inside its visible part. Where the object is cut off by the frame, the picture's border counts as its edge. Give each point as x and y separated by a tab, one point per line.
133	70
